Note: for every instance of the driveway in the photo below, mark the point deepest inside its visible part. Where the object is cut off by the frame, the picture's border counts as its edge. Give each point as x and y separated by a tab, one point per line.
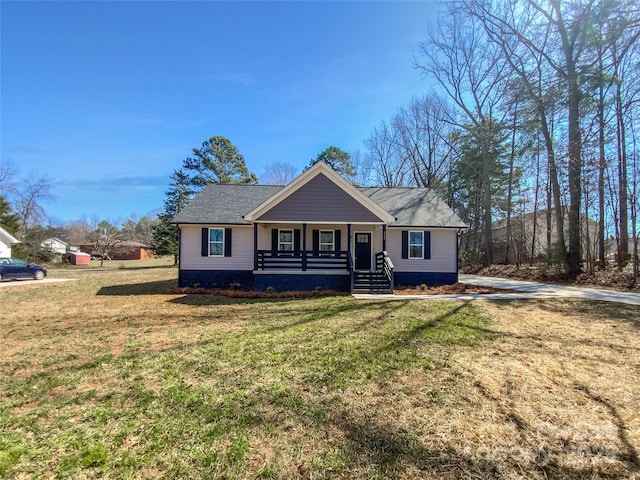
526	290
22	283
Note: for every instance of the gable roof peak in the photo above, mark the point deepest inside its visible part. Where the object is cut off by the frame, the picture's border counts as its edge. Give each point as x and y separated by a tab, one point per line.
319	168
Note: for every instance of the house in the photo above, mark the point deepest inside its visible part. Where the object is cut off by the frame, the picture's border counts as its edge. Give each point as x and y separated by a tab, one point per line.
6	240
125	250
130	250
317	231
530	235
55	245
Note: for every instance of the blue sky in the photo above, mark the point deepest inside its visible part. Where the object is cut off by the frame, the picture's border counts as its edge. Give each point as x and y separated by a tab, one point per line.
107	98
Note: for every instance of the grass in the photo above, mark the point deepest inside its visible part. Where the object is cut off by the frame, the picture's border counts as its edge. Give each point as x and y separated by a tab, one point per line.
109	376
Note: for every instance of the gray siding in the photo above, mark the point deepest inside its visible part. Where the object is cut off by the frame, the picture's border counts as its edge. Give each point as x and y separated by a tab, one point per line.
443	252
320	200
242	248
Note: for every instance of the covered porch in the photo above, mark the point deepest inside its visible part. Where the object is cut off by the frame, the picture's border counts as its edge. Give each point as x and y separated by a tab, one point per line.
329	256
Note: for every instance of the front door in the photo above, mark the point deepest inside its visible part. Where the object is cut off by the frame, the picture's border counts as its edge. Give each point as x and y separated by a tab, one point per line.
363	251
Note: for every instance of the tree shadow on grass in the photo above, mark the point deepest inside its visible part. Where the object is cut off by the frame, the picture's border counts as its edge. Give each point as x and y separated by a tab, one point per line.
160	287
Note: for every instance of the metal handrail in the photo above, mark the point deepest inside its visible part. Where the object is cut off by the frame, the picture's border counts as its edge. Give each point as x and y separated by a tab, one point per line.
385	265
351	267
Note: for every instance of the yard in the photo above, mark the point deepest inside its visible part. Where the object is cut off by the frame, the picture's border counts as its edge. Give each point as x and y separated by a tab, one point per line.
110	376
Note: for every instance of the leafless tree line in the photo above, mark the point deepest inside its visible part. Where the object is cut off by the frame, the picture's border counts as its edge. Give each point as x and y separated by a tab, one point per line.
540	99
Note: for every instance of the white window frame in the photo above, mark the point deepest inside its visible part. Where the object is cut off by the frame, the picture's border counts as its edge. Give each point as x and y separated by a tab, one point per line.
281	243
221	242
332	244
421	245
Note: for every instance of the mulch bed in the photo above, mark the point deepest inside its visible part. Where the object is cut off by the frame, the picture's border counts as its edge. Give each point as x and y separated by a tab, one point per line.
458	288
238	293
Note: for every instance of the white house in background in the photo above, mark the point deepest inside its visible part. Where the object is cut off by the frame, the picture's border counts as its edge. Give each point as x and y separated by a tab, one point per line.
6	240
55	245
317	231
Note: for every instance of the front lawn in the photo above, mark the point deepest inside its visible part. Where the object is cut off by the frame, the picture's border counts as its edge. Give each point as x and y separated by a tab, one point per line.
109	376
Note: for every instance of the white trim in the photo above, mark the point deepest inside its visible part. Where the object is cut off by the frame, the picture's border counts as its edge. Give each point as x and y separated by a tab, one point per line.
304	178
333	239
210	242
409	257
10	238
293	241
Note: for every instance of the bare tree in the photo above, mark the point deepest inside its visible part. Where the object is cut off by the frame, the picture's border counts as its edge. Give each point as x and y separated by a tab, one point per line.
362	167
421	129
278	173
8	172
104	237
471	71
29	197
389	167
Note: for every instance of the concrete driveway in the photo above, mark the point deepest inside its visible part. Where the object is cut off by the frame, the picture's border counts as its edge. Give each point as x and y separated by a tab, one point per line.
526	290
22	283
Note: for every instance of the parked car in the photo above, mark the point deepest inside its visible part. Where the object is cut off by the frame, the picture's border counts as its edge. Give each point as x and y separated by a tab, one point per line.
16	268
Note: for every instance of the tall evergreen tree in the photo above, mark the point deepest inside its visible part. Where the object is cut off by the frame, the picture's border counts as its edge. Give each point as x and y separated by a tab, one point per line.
337	159
8	220
217	161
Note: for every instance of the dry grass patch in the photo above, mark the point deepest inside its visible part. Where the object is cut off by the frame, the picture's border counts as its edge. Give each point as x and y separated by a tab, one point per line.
111	376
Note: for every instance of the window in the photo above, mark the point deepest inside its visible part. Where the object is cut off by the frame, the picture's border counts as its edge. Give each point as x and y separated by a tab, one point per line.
216	242
416	245
285	240
327	243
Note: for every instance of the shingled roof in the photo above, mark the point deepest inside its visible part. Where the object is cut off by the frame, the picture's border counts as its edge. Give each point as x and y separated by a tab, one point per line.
227	204
414	207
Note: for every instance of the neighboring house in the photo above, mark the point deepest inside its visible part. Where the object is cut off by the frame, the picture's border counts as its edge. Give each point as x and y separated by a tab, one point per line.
318	231
133	251
529	236
55	245
6	240
127	250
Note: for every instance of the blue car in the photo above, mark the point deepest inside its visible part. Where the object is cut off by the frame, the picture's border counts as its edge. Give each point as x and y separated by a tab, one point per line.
16	269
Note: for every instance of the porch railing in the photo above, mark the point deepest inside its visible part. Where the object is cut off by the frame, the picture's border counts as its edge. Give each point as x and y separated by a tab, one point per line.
385	265
352	270
302	260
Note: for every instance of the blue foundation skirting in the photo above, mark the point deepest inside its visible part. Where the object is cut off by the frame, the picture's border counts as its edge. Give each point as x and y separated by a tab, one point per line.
432	279
215	278
283	282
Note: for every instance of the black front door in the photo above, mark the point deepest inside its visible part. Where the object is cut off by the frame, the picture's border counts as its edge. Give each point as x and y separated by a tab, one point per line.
363	251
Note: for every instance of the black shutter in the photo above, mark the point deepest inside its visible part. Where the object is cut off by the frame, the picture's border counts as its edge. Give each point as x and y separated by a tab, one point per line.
427	245
274	240
405	244
316	241
204	247
227	242
337	240
296	240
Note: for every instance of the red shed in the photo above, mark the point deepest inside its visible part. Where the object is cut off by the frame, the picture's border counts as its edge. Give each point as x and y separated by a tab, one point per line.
78	258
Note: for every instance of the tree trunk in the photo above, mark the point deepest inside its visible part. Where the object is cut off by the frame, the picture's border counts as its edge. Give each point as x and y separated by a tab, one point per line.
575	165
487	205
601	169
623	185
507	247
